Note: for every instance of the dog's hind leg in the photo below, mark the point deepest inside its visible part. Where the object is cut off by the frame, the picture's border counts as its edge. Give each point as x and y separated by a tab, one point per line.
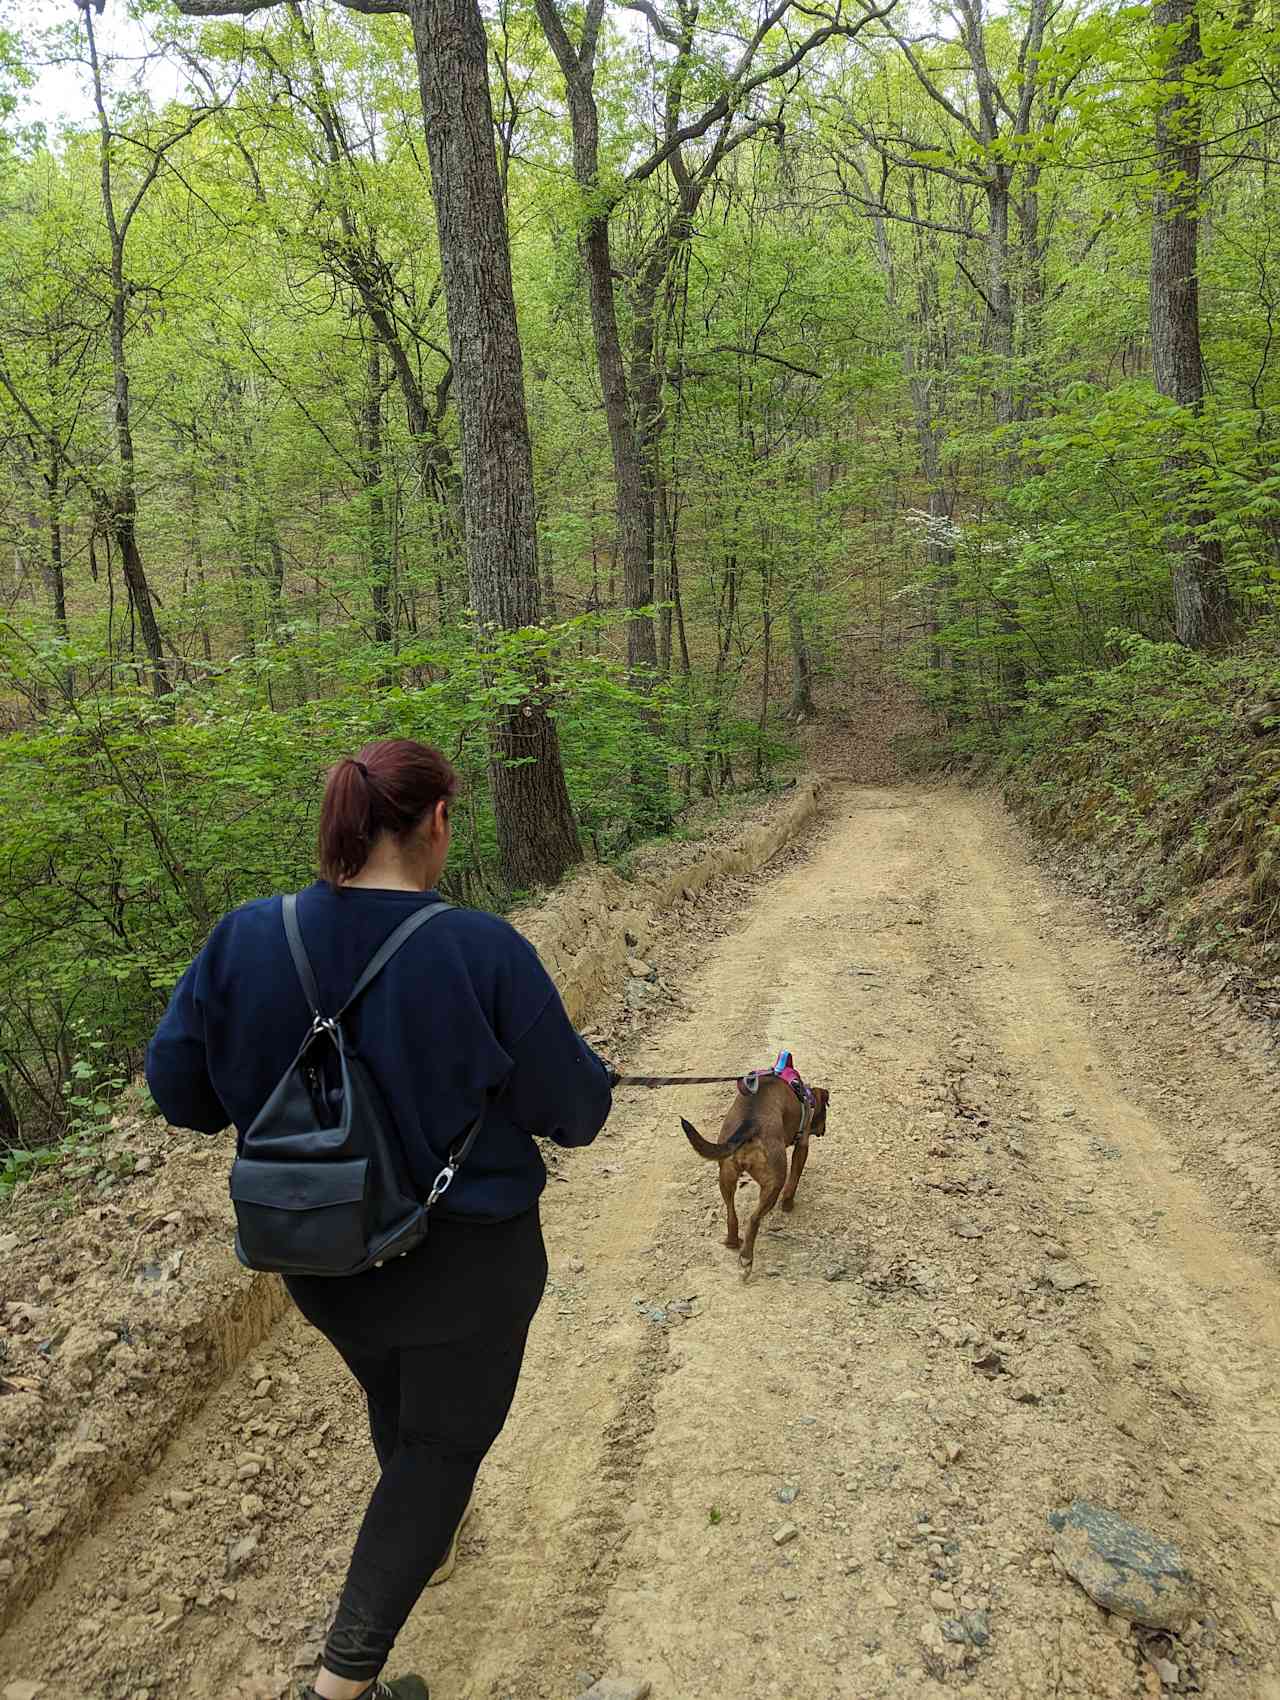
799	1155
728	1187
769	1190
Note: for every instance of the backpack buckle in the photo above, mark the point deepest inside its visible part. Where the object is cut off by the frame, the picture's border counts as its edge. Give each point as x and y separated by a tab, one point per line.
442	1183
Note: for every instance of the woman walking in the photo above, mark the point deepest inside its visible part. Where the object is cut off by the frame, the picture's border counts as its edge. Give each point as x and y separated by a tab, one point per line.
463	1016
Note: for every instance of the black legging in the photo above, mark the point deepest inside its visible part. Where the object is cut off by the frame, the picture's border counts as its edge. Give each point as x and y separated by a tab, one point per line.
436	1340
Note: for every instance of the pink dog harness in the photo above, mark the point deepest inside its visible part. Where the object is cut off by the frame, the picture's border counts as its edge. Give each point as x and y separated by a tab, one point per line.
785	1069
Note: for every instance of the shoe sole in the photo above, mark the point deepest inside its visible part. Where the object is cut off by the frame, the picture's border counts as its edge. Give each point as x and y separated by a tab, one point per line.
450	1563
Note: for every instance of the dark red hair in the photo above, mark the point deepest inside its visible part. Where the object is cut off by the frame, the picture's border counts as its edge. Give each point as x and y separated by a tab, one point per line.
388	787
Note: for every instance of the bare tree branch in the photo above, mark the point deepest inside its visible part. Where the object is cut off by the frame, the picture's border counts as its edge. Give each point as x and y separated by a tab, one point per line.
911	161
223	8
740	85
558	38
246	8
590	33
931	88
968	275
752	354
880	210
662	27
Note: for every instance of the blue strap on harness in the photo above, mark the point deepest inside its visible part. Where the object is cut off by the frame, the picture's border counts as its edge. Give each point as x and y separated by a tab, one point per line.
784	1069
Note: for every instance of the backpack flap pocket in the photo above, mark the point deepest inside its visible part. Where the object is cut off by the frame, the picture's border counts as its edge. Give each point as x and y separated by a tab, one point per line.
301	1217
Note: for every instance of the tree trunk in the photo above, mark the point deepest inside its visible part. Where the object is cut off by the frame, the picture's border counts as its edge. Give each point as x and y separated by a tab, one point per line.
664	552
1011	670
244	556
537	836
275	551
10	1128
1202	603
371	470
197	556
646	384
1000	294
549	599
802	705
577	66
124	497
632	486
646	378
55	566
715	764
927	417
634	544
56	573
766	669
1033	250
678	606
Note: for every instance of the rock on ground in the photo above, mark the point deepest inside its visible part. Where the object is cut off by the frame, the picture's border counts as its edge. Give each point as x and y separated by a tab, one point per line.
619	1688
1123	1567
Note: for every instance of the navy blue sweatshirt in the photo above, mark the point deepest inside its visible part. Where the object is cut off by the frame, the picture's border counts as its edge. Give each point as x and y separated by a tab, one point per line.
465	1007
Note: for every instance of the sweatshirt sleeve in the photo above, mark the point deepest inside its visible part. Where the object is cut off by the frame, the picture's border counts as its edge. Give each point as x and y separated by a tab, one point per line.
559	1088
178	1063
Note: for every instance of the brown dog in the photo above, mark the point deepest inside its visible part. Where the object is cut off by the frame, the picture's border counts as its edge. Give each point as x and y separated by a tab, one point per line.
754	1138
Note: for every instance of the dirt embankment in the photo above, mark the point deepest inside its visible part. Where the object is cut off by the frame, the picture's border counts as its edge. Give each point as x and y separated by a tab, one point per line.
119	1315
591	928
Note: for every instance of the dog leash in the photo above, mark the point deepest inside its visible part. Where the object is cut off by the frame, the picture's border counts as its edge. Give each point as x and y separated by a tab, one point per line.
749	1080
678	1079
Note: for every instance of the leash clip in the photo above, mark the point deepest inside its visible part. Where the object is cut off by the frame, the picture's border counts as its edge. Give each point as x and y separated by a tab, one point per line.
442	1183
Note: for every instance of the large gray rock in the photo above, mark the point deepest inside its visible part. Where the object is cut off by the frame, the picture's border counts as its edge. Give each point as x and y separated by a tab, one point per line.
1123	1567
619	1688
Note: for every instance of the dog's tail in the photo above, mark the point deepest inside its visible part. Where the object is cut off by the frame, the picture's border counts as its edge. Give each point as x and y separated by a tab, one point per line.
706	1148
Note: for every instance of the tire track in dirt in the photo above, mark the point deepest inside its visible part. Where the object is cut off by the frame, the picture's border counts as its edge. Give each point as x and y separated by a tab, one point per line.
921	968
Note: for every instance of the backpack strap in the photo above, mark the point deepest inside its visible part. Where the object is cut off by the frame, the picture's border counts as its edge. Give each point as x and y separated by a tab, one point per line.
457	1157
383	955
298	951
388	949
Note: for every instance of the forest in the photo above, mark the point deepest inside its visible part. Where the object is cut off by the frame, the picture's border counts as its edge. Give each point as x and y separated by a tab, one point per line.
582	388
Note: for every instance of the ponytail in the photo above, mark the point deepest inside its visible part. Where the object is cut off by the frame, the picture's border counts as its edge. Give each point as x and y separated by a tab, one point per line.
389	787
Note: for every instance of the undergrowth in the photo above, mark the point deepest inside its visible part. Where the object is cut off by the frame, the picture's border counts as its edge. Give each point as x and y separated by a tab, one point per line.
1152	768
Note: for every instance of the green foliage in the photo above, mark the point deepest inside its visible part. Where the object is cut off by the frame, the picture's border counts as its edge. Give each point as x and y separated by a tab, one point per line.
126	830
90	1094
845	444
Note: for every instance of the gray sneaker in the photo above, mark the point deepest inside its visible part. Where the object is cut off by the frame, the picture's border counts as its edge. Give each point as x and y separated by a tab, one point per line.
450	1558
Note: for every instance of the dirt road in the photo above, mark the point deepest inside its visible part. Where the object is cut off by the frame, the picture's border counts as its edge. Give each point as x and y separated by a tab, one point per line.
1037	1148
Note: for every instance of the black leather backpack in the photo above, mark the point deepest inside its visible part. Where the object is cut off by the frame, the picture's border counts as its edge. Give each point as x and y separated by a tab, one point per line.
321	1185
